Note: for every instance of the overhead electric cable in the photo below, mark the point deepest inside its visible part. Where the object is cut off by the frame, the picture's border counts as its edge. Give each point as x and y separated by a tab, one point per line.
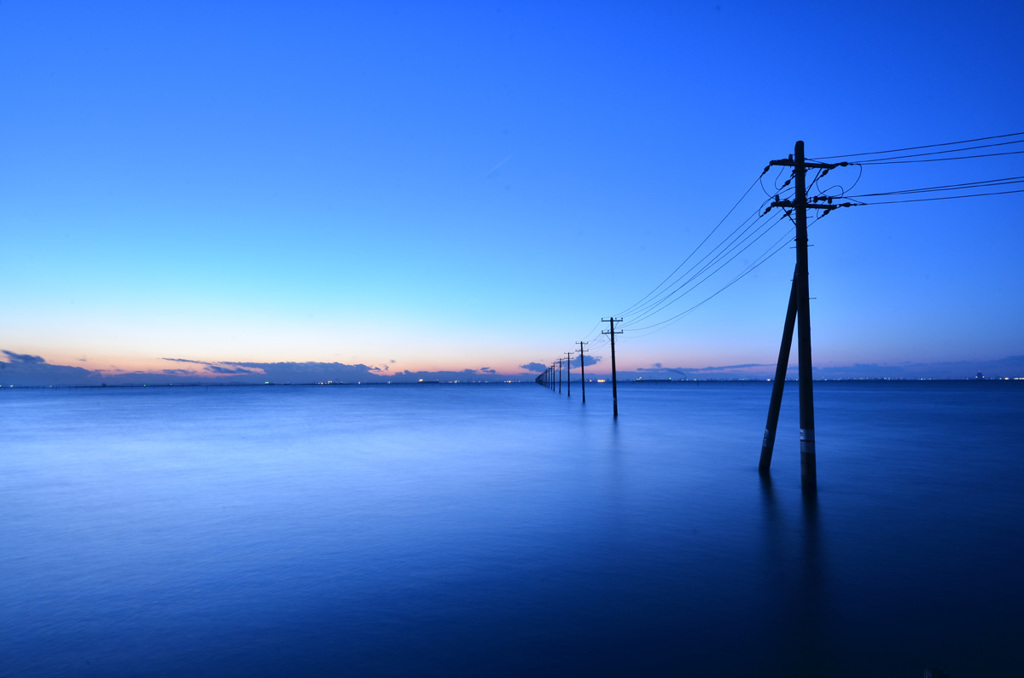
945	197
886	161
731	241
668	321
665	298
949	150
1006	181
915	148
669	301
696	249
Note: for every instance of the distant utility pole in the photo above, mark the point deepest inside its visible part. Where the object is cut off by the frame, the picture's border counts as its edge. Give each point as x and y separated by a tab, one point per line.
583	374
800	290
611	332
568	374
559	375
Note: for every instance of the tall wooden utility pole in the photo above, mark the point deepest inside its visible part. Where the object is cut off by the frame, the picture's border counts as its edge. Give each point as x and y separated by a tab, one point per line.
583	374
799	205
568	374
612	332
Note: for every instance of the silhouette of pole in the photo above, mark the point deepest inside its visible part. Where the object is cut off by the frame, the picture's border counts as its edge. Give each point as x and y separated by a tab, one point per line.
768	443
808	458
568	374
583	374
808	461
611	332
559	375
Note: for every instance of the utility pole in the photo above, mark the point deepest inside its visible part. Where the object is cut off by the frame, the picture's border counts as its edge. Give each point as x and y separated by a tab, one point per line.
559	375
611	332
568	374
583	374
808	463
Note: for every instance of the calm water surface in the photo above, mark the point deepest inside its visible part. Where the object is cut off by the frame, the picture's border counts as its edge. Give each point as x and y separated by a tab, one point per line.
509	530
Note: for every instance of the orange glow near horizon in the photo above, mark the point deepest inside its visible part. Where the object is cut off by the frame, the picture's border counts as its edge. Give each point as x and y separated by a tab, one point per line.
191	367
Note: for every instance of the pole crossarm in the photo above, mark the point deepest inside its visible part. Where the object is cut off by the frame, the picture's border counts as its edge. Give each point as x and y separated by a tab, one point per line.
813	203
793	203
791	162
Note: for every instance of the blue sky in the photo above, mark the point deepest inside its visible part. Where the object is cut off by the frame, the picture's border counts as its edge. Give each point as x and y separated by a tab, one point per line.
452	186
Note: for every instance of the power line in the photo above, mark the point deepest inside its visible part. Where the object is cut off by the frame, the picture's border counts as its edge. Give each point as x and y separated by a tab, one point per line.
697	248
950	150
945	197
1006	181
716	254
886	161
679	296
915	148
750	269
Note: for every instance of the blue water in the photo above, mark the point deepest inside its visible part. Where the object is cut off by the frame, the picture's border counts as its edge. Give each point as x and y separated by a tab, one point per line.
509	530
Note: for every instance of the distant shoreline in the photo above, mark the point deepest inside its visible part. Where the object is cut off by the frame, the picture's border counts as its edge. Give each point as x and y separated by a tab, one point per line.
529	382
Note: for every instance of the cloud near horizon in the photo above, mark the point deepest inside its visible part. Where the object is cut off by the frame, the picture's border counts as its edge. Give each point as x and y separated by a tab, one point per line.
220	369
24	358
735	370
215	368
